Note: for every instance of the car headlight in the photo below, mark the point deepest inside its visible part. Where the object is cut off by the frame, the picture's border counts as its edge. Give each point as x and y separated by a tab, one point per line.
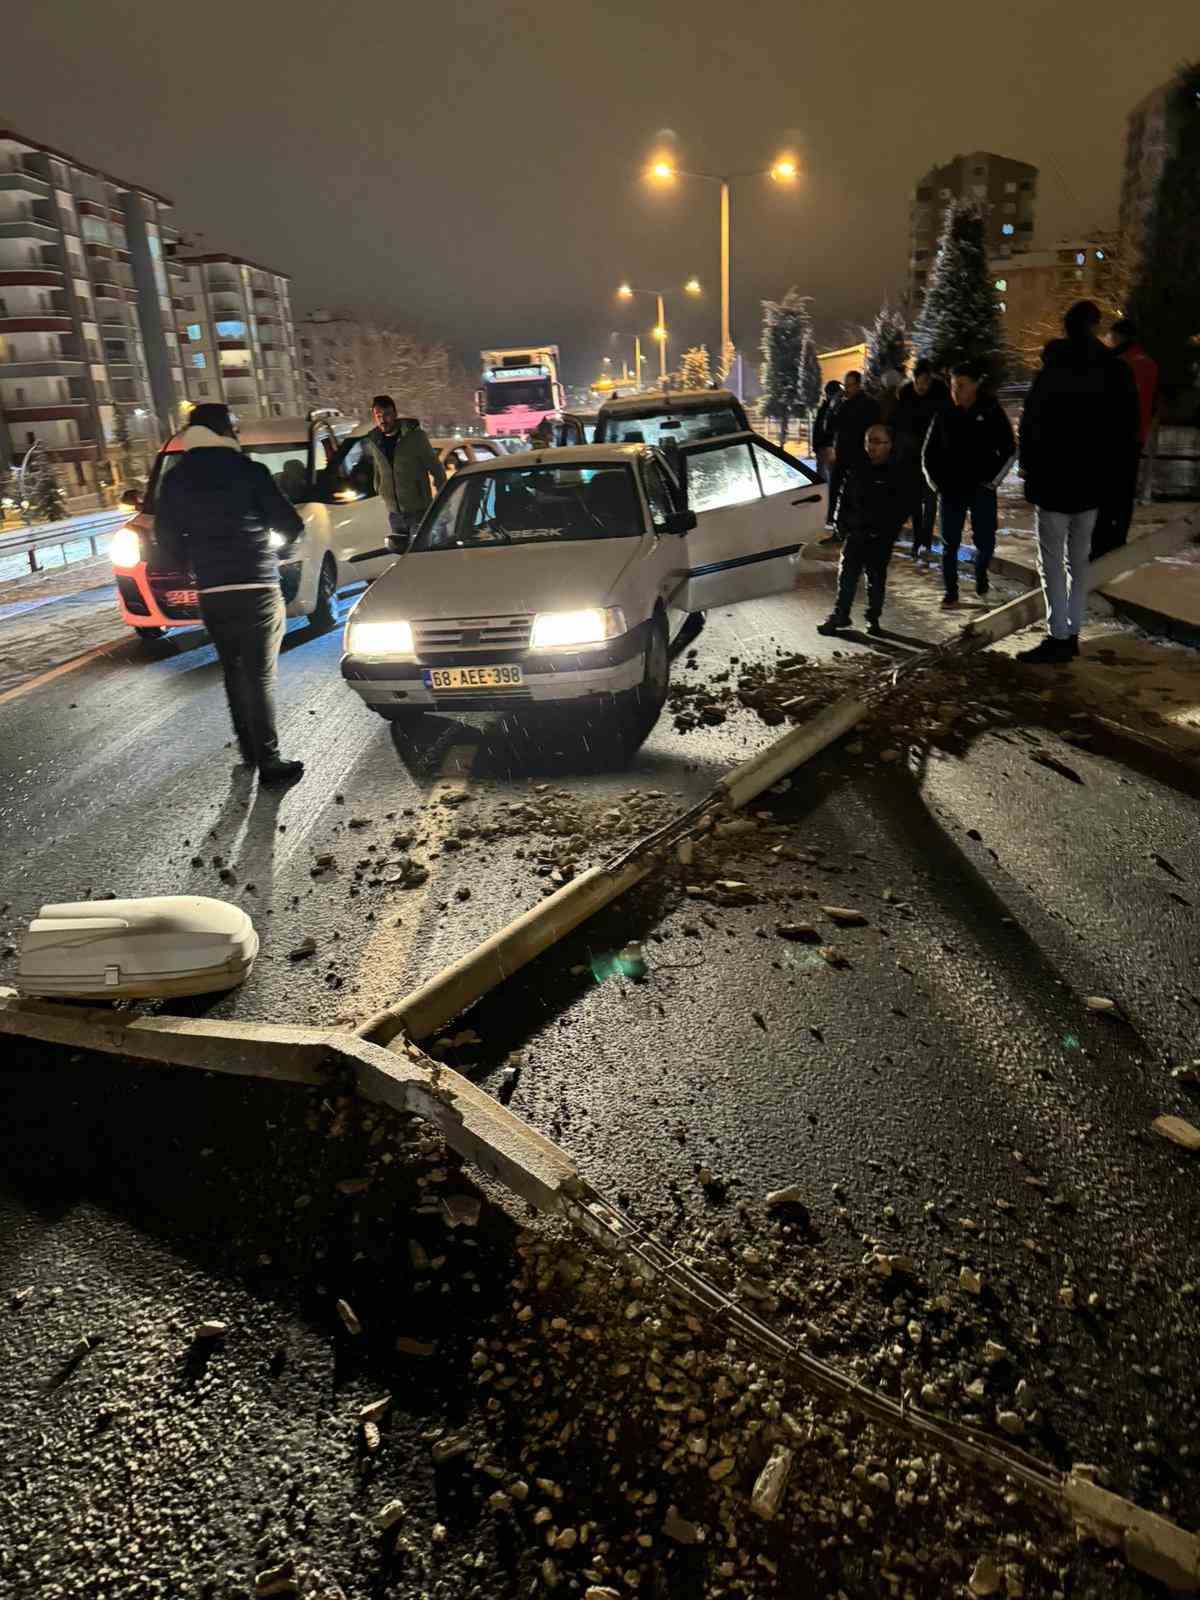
125	548
276	540
556	630
381	639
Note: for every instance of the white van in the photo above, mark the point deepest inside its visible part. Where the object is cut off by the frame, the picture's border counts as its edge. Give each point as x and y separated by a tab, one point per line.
564	575
320	466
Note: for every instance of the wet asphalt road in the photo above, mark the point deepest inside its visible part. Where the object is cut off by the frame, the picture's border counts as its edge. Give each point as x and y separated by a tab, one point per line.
950	1074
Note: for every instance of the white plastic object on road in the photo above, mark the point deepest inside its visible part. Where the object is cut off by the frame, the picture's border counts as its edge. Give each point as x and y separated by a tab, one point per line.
158	946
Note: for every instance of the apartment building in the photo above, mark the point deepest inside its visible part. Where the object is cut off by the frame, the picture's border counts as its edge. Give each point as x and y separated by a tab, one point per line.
1006	192
1034	288
237	336
87	324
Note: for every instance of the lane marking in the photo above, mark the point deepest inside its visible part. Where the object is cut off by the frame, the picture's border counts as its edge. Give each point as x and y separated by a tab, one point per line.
61	670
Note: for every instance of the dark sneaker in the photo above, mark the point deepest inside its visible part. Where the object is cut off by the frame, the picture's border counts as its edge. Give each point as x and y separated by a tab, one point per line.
1073	641
1050	653
873	627
949	602
832	625
281	771
982	585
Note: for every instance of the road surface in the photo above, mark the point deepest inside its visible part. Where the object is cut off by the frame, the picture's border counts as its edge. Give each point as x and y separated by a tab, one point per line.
940	1091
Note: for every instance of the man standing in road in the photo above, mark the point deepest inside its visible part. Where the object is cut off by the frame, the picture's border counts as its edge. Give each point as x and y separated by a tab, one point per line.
853	417
876	499
1078	428
921	399
824	434
968	449
226	518
1116	510
404	462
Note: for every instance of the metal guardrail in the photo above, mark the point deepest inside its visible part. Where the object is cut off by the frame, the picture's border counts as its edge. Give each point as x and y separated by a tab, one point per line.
56	535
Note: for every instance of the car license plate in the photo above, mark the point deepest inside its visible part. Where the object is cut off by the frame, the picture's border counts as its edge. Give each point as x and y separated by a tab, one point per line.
181	597
473	678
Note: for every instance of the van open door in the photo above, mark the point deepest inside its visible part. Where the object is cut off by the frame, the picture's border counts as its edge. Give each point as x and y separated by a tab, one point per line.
756	508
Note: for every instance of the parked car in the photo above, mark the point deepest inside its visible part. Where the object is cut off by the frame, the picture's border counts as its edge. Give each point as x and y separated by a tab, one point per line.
321	468
671	416
462	450
564	575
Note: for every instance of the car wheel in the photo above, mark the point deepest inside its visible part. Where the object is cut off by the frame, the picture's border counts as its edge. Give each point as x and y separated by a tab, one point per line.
323	615
643	705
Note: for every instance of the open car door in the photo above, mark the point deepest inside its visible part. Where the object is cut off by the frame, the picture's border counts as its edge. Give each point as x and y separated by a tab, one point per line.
359	524
756	507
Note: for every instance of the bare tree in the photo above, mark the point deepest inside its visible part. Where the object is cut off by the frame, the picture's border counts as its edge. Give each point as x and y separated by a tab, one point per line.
353	358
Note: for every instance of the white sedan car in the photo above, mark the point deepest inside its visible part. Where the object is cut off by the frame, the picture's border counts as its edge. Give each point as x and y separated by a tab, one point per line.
564	575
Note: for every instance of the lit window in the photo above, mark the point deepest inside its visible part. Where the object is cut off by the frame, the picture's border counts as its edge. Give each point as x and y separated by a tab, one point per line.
1007	228
1080	257
1002	284
231	330
193	332
1099	255
1003	304
199	359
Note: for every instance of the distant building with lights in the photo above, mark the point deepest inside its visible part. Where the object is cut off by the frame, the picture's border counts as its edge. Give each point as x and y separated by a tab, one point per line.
237	337
87	323
1034	288
1006	192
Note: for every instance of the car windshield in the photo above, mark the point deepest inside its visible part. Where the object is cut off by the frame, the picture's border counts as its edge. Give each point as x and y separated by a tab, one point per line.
519	394
672	427
534	505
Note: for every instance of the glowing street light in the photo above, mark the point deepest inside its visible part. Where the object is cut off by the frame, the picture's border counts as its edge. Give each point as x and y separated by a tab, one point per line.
783	170
626	292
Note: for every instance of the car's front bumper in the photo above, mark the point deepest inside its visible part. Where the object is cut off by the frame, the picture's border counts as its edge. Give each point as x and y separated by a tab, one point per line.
563	676
150	598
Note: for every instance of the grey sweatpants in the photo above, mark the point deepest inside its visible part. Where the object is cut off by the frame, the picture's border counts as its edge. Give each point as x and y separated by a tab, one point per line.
1064	555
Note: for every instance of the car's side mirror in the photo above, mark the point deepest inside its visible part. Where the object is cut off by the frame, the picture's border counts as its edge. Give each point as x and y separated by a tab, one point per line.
678	523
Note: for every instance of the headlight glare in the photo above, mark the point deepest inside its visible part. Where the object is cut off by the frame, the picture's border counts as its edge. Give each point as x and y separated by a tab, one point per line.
276	540
125	548
381	639
557	630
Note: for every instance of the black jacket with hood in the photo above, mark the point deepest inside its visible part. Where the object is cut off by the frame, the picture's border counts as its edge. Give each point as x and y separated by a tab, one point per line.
914	413
1080	423
216	509
876	501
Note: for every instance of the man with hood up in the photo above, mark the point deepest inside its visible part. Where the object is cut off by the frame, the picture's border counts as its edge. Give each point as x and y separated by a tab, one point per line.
225	517
1078	427
404	461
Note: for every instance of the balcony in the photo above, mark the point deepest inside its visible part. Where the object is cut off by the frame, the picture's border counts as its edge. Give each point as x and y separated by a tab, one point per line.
99	252
92	208
19	180
232	344
15	277
28	228
40	324
59	411
67	367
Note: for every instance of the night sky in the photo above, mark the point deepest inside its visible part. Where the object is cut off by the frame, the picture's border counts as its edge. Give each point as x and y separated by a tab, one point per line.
471	167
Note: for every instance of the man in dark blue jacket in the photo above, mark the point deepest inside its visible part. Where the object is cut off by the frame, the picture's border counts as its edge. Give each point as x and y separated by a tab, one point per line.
220	509
875	501
968	450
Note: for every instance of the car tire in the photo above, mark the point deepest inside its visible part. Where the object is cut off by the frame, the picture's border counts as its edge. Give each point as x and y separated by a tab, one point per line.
642	706
150	635
323	615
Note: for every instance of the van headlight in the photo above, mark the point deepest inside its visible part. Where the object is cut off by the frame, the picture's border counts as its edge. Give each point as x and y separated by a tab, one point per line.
381	639
557	630
125	548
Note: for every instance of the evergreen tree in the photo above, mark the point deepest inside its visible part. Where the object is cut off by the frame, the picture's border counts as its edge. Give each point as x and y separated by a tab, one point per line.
887	346
45	494
726	360
694	369
787	326
1166	296
960	320
811	387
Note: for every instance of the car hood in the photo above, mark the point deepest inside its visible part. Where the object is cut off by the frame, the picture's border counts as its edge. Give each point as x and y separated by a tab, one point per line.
514	579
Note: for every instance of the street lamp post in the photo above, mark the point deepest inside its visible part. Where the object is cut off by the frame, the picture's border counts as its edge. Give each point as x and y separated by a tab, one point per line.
784	170
627	292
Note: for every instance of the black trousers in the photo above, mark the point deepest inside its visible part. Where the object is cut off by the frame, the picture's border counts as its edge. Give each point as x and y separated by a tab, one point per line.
859	556
923	518
246	626
1116	508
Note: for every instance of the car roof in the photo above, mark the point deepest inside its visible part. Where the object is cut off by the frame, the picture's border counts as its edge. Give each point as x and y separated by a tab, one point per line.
657	400
572	455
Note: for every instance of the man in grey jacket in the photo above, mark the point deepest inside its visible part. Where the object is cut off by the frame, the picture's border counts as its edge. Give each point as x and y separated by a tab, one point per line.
404	461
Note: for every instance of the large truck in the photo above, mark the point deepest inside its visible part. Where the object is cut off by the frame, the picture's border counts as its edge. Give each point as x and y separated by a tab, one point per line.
520	387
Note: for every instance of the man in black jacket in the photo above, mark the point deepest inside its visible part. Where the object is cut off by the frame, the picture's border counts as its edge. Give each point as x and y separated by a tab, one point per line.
824	430
225	516
969	448
875	502
853	417
921	399
1079	430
